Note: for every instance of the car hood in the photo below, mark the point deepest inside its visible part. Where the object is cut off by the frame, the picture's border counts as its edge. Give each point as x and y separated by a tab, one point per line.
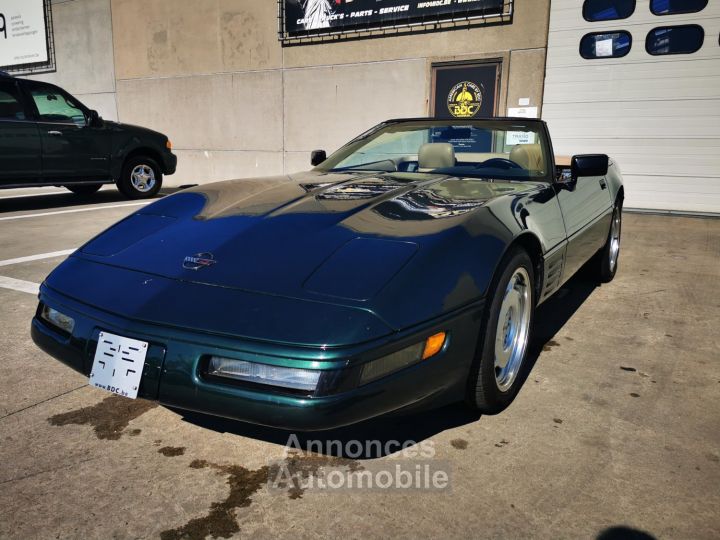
336	238
137	130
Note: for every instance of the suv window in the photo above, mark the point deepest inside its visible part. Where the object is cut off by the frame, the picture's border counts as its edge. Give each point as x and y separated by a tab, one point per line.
11	107
56	106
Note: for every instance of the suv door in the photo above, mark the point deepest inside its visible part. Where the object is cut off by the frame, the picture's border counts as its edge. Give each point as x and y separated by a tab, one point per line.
20	147
71	147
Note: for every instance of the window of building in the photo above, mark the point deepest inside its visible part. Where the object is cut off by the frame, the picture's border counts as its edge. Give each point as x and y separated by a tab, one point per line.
685	39
674	7
10	106
607	10
605	45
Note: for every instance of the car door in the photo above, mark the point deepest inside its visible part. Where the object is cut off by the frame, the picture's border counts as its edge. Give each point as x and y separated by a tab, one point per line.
586	205
20	145
72	148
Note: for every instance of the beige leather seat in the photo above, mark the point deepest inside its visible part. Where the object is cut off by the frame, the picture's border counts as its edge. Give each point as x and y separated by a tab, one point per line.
436	156
528	156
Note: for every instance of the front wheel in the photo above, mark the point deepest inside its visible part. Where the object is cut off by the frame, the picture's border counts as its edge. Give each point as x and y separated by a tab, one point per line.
495	377
141	178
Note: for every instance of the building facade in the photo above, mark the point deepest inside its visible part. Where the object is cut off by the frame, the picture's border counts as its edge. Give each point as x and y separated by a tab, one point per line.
250	87
240	94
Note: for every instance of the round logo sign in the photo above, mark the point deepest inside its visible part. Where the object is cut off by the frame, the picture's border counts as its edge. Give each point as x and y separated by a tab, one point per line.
465	100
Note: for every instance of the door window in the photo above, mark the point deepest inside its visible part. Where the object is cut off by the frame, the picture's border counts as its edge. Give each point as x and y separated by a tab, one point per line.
55	106
675	7
11	107
685	39
605	45
607	10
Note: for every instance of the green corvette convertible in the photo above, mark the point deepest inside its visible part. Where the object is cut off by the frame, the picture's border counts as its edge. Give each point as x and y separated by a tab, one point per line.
404	267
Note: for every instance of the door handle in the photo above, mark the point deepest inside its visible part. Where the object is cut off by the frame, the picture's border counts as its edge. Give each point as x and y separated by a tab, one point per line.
603	184
55	133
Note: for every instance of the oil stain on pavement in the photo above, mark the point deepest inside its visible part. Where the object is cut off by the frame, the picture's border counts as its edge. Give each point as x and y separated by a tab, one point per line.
171	451
220	522
109	418
460	444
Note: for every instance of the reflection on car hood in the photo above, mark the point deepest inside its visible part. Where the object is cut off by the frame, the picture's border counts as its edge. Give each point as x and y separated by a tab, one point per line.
132	128
283	235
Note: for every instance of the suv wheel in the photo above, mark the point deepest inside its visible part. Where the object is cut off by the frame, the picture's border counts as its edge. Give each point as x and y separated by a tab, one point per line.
141	178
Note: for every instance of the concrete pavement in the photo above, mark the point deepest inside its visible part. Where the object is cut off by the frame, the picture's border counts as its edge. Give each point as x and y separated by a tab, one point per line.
617	425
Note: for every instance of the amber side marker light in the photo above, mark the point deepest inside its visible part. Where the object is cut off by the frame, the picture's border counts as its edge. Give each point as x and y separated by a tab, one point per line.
434	345
169	145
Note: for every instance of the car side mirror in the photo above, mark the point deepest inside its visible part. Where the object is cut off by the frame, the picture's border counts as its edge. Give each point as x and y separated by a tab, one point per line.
94	119
317	157
589	165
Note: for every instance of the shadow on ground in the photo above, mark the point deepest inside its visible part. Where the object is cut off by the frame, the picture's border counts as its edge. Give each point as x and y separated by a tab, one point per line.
624	533
49	201
424	421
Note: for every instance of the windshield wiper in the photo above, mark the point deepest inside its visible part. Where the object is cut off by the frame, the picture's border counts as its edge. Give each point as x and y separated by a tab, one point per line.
367	167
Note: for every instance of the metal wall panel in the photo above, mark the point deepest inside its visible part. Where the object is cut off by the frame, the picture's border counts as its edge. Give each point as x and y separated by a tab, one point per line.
658	116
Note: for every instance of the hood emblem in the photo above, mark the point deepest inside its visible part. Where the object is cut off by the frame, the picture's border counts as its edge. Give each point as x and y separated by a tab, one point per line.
201	260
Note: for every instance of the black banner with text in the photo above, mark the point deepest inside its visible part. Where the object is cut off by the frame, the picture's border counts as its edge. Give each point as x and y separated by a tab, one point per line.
308	17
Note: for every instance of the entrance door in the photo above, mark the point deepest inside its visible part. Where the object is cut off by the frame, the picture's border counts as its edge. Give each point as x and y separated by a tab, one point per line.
465	90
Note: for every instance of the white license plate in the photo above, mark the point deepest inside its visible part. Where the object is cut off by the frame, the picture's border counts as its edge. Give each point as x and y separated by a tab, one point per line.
118	364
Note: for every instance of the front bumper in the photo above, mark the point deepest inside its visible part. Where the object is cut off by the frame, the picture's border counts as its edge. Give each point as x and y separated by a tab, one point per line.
173	373
169	163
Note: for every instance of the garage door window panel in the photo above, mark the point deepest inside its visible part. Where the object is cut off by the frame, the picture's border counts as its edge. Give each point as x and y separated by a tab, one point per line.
685	39
11	107
605	45
677	7
607	10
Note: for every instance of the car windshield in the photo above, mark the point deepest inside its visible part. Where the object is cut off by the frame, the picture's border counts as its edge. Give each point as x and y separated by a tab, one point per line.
503	149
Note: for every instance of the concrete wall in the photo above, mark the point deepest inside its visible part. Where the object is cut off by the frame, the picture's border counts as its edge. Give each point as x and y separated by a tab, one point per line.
213	76
84	53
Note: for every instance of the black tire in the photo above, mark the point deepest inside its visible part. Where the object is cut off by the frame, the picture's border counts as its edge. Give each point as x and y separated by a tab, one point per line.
606	262
84	190
484	392
133	189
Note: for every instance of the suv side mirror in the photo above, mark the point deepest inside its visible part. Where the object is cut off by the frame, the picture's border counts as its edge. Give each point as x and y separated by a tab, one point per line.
589	165
317	157
95	120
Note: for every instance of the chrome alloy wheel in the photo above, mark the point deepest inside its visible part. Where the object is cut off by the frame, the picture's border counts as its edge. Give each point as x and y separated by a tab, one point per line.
143	178
614	250
513	329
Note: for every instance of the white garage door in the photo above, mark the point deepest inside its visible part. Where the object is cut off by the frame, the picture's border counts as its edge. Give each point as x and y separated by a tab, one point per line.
658	116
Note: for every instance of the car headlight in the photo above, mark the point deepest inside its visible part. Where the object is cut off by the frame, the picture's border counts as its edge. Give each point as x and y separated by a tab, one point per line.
403	358
284	377
57	319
